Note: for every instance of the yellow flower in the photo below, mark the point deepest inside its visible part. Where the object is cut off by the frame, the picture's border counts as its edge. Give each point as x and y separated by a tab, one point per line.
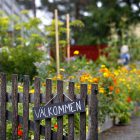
77	86
82	79
101	90
103	66
32	91
106	74
54	78
89	87
116	72
43	84
20	88
60	77
76	52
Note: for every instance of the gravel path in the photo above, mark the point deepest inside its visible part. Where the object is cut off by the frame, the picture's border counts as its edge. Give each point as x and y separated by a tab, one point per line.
128	132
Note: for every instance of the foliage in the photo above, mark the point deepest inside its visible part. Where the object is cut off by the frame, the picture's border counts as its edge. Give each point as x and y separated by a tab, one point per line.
17	57
20	45
104	17
118	87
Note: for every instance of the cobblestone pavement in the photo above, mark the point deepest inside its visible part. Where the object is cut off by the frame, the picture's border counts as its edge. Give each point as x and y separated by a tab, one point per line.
128	132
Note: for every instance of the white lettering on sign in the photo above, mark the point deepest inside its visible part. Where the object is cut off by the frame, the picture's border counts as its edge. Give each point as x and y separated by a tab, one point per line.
58	109
78	105
49	111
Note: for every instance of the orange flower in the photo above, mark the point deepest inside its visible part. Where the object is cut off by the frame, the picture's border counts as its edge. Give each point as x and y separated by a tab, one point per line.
111	88
128	99
55	126
20	133
117	90
115	81
95	80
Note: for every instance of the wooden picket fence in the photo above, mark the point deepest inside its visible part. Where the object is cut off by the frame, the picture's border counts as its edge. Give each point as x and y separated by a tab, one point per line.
37	99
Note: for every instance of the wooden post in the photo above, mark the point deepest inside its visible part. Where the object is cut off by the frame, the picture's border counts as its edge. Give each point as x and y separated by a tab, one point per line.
26	107
57	43
48	120
60	99
93	114
68	36
37	104
71	117
3	106
14	106
83	93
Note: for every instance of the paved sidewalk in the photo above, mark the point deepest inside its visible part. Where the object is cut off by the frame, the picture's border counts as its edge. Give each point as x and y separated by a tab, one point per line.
128	132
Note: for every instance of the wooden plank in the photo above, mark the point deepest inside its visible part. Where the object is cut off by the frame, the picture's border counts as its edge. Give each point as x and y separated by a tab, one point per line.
93	114
42	98
71	117
14	106
36	104
25	107
60	119
83	93
2	106
48	98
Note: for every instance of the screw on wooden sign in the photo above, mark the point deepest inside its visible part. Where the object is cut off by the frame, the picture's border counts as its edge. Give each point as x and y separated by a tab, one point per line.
58	109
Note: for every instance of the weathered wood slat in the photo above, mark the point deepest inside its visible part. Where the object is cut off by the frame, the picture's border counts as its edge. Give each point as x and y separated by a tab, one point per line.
42	97
2	106
25	107
14	106
48	98
60	99
71	117
36	104
93	113
83	93
37	99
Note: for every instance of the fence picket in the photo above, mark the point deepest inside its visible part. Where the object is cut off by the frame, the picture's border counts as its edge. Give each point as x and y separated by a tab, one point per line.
26	107
93	111
71	117
37	99
48	98
14	106
83	93
3	106
36	104
60	99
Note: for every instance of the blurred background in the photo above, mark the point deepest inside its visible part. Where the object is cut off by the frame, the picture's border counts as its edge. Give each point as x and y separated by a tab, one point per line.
99	29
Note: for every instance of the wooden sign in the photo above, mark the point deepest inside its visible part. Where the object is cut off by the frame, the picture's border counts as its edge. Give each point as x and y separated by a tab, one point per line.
58	109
